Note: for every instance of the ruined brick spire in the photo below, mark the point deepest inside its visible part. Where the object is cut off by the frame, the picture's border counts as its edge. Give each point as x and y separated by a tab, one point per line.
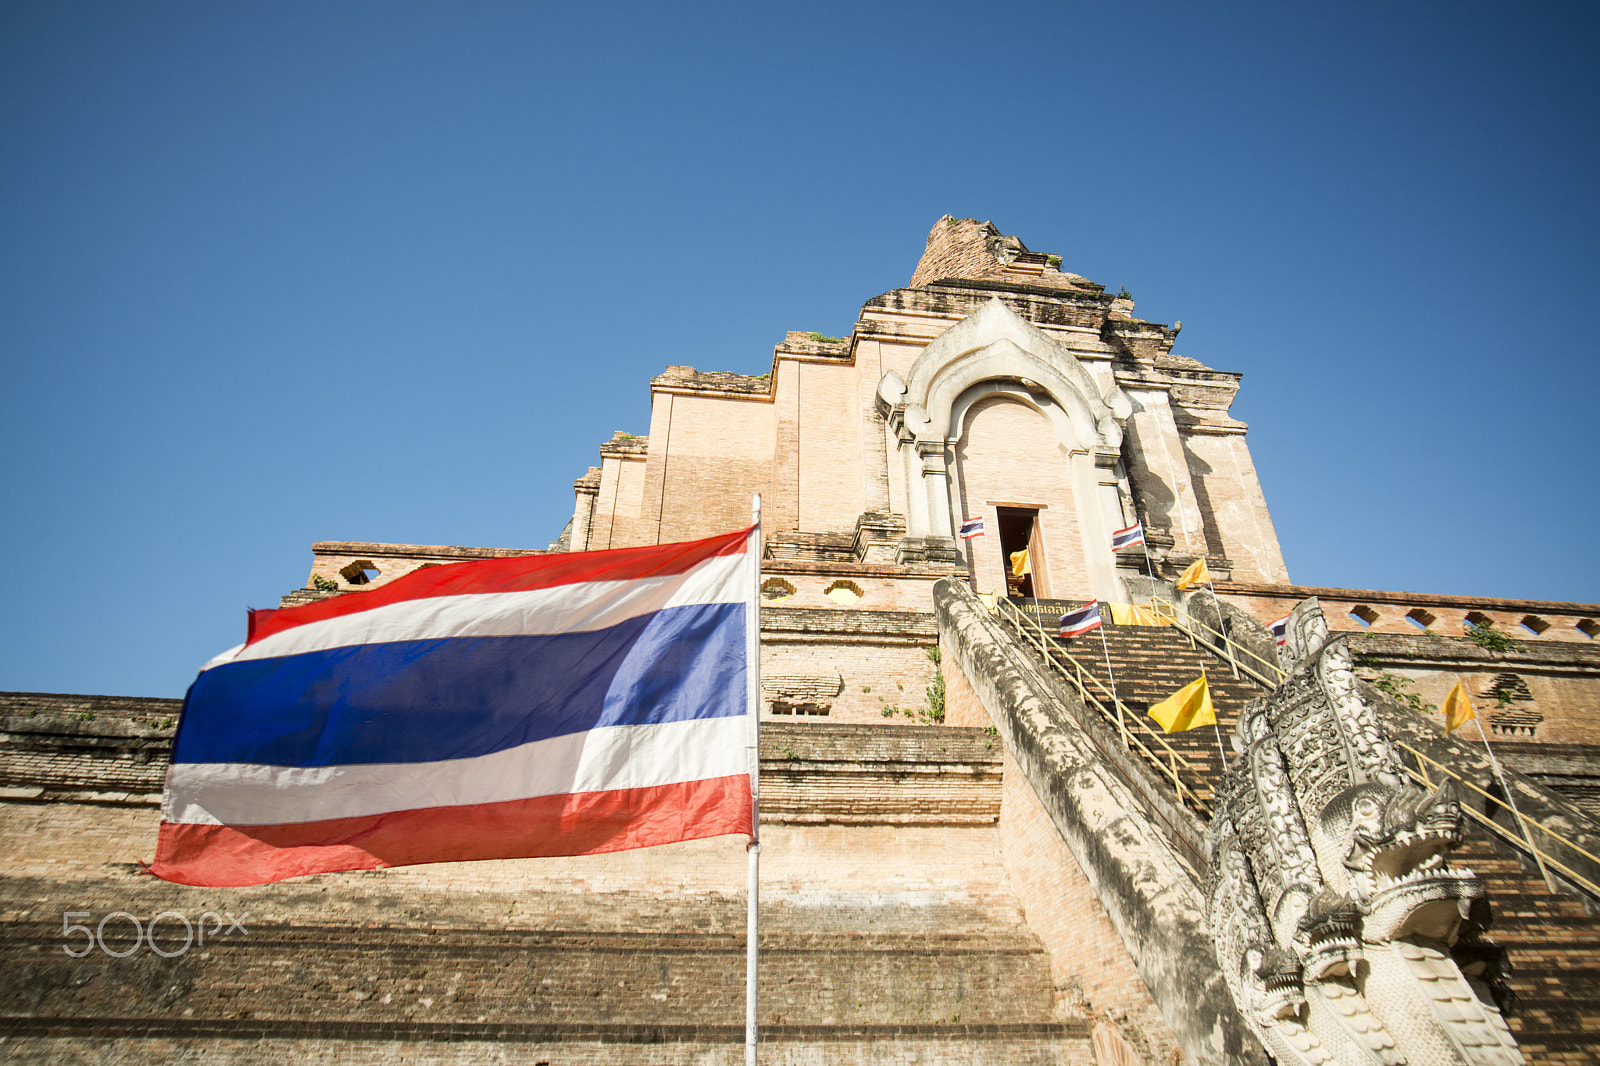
970	250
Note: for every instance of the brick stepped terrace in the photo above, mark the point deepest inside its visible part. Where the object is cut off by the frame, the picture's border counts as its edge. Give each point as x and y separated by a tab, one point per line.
1553	946
346	957
889	931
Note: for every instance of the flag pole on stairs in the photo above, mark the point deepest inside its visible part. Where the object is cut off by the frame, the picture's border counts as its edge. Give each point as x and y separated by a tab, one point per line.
1116	700
752	648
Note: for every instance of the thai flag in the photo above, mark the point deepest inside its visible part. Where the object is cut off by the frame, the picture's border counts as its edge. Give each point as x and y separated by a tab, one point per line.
1279	629
536	705
972	527
1084	619
1127	538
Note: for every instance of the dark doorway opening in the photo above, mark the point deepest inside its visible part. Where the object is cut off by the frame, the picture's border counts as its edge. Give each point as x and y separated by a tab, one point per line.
1016	534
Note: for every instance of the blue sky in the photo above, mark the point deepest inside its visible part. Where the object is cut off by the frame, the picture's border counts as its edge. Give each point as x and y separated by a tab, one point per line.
283	273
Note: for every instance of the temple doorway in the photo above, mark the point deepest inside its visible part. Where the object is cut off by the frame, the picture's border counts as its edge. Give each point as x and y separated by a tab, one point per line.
1019	530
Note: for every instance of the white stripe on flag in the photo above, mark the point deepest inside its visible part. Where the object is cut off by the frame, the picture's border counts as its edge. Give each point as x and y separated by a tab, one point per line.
580	607
600	760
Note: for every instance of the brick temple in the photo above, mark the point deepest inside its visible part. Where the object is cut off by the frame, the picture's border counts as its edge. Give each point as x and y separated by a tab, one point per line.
974	849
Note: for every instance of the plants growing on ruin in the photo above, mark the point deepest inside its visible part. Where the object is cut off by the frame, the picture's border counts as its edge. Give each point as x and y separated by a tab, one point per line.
1486	636
322	584
822	338
1399	689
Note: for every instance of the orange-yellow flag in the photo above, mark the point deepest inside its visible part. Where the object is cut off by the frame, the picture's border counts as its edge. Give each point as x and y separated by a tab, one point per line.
1020	564
1197	574
1186	708
1457	708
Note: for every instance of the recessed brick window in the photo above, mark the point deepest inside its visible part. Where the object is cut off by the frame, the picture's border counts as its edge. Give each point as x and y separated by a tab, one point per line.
1534	624
1420	618
360	572
776	590
1589	628
844	593
1478	618
1363	614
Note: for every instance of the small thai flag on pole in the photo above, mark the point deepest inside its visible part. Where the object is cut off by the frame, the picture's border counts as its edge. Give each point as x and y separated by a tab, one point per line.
1085	618
1127	538
1279	629
972	527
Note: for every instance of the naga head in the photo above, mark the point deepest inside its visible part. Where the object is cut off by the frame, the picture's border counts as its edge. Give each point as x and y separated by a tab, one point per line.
1396	845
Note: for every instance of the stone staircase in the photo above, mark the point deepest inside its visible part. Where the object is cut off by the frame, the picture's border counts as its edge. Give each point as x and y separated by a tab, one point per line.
1551	939
1150	663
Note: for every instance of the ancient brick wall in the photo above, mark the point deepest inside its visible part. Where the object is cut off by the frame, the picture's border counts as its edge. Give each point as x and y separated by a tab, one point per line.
710	455
1090	967
1417	613
362	565
890	935
851	666
831	462
1228	494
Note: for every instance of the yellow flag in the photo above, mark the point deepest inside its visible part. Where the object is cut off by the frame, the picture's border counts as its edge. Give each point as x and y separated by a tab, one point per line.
1186	708
1019	563
1197	574
1457	708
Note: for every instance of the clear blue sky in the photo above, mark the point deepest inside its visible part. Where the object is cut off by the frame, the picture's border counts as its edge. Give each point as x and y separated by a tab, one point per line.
279	273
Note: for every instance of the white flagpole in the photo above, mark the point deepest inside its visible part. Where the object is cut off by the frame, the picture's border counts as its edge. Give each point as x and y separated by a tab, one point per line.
1222	630
752	649
1511	800
1149	563
1115	701
1220	746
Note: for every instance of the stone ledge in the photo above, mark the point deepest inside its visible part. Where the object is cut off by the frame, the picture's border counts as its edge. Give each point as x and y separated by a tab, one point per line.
1416	599
911	625
538	1033
923	572
1455	652
447	551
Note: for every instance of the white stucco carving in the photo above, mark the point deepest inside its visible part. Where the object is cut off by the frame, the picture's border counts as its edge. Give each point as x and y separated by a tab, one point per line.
991	352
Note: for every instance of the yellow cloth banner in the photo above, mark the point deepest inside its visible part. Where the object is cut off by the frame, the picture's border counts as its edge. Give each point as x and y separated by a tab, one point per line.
1186	708
1019	563
1457	708
1197	574
1135	614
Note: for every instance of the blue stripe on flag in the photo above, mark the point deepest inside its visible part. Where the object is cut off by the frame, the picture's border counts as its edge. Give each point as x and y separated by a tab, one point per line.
430	700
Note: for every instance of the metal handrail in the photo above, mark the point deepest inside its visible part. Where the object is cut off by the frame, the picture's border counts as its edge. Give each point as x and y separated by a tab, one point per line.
1081	680
1272	675
1524	842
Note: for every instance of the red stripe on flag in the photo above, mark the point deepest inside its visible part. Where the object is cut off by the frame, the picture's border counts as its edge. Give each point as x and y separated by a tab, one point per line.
584	823
515	574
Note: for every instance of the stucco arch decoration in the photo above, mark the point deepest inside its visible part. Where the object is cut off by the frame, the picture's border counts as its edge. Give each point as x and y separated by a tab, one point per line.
994	344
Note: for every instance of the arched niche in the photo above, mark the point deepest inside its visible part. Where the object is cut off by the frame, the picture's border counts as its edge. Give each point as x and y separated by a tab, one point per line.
996	352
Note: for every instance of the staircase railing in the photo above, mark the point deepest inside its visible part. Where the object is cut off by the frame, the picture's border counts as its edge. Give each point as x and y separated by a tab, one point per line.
1162	757
1242	659
1429	773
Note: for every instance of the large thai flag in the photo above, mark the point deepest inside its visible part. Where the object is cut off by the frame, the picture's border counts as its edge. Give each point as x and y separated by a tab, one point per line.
536	705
